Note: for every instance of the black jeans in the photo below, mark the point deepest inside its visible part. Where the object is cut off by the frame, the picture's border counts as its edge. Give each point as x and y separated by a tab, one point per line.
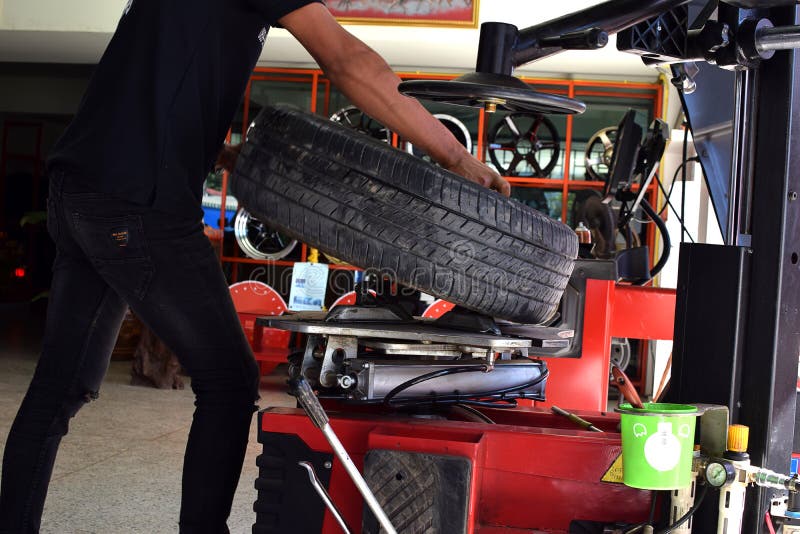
109	253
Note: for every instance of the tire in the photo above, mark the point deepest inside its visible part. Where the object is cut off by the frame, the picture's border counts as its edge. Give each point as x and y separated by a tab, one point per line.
377	207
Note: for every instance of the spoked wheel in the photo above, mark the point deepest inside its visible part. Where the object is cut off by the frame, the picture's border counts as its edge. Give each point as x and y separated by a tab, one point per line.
524	144
259	241
357	120
599	151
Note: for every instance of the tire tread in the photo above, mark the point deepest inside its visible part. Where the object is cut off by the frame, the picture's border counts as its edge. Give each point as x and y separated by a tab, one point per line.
377	207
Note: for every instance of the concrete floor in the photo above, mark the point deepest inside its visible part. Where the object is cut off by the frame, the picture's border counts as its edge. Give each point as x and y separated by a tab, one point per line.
119	469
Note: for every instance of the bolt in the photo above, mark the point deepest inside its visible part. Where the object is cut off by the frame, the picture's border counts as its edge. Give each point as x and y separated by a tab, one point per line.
792	196
328	465
346	381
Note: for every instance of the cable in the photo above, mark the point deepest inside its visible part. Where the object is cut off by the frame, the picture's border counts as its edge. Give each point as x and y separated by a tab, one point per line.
505	395
768	521
668	203
485	400
653	502
502	402
510	403
683	177
689	513
678	83
640	221
476	413
688	118
662	227
635	528
668	194
387	400
627	232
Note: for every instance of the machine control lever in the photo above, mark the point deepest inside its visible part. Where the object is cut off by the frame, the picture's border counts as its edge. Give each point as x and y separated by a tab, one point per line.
305	396
307	399
622	381
323	494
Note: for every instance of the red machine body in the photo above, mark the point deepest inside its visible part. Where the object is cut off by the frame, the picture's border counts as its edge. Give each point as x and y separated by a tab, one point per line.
531	472
612	310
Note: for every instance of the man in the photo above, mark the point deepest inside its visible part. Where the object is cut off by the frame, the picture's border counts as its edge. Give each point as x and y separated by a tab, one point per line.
124	212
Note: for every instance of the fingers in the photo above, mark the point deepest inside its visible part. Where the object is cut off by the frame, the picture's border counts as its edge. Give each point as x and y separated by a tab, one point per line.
492	180
476	171
502	186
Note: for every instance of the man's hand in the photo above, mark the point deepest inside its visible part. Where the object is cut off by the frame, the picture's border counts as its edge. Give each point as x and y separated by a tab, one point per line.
227	157
475	171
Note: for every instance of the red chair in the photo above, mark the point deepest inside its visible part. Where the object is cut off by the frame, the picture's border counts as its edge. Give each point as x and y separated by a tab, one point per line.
253	300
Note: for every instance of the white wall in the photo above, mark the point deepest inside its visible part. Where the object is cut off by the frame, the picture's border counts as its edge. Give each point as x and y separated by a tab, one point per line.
73	31
61	15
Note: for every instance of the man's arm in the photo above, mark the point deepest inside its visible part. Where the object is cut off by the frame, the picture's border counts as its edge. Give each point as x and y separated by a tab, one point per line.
365	78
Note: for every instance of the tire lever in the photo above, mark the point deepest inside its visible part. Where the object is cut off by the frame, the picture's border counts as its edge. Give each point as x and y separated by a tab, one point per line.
305	396
622	381
323	494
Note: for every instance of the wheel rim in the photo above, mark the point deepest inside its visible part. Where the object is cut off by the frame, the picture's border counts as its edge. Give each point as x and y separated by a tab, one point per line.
258	241
455	126
621	353
355	119
599	151
524	144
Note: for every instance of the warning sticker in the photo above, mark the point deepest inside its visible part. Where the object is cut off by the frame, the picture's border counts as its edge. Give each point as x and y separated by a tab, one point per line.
614	473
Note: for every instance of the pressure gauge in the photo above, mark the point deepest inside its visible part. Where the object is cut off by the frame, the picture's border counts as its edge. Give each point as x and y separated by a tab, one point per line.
720	473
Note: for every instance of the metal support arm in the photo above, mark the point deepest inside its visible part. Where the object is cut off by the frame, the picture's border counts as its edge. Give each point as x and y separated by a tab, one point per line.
610	17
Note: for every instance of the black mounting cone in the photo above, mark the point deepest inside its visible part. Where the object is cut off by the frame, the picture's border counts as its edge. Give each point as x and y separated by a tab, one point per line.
492	92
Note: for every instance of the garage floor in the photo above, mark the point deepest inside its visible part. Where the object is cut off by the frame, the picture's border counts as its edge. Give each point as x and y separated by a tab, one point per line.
119	468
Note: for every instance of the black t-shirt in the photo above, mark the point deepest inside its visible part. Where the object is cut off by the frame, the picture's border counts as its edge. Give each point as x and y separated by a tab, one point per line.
163	96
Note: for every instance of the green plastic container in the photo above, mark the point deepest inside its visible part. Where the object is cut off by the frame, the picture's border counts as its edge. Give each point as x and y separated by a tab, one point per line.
657	445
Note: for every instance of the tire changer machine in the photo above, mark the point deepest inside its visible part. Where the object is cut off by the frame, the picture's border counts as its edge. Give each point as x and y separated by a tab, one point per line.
395	464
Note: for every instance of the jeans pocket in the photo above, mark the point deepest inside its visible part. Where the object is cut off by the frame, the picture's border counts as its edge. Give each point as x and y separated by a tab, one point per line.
117	247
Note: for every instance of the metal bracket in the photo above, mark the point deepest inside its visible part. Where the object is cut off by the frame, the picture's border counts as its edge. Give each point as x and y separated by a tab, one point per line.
309	361
337	349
